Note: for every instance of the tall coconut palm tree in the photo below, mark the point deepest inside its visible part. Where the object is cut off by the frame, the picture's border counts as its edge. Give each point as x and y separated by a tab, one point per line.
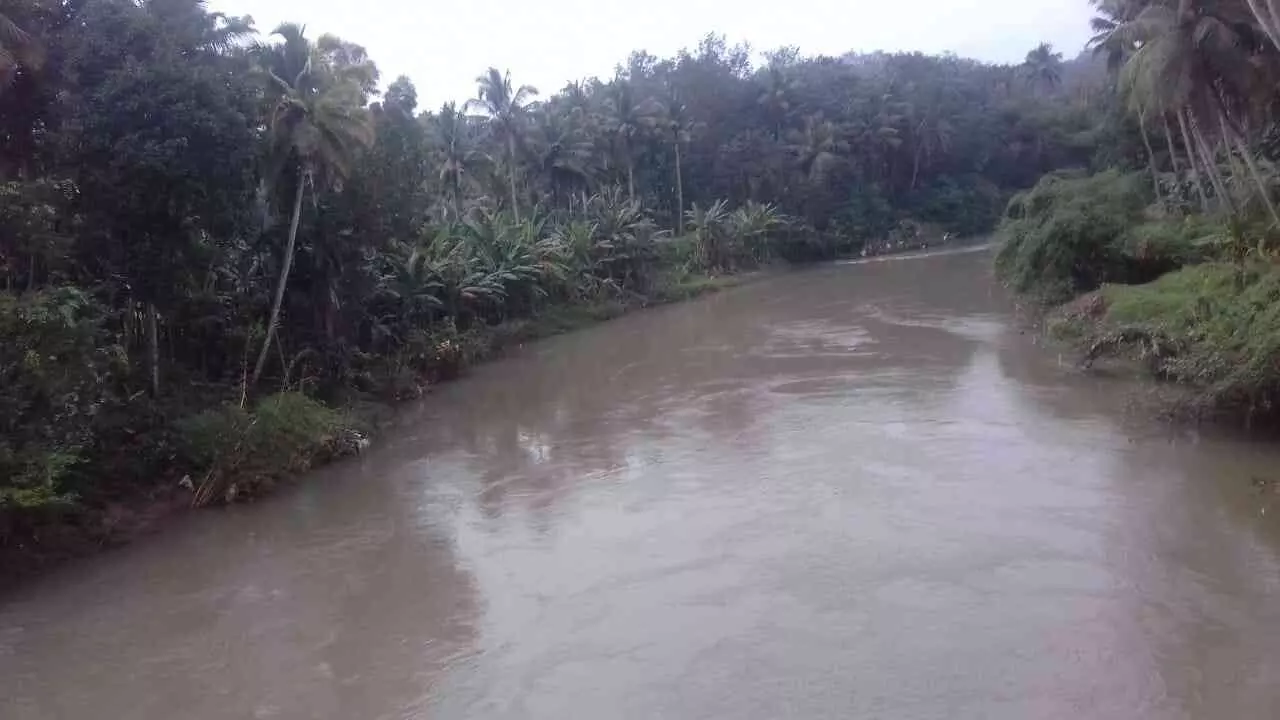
456	152
629	120
818	147
1114	40
563	153
875	133
776	98
1110	38
505	105
1043	68
1193	59
316	128
932	135
679	128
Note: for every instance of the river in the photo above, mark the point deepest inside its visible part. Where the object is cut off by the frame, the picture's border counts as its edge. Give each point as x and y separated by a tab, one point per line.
854	491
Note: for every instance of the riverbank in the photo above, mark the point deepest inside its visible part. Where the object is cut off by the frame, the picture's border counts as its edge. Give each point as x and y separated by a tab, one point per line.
1186	300
244	453
1212	329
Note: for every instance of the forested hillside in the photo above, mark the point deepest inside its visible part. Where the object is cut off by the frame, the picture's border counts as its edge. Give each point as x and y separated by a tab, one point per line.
1174	244
210	237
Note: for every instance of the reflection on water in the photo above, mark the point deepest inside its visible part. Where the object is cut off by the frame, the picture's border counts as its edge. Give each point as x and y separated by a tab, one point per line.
852	491
332	602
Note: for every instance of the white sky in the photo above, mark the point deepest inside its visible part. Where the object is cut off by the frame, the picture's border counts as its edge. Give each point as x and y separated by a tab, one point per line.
442	46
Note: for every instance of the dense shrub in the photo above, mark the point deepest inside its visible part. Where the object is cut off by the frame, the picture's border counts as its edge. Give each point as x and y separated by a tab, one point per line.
233	451
1155	247
1067	233
965	206
56	363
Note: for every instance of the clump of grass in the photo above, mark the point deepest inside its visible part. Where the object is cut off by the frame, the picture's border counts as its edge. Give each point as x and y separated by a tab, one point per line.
685	286
236	451
1218	325
1076	321
564	318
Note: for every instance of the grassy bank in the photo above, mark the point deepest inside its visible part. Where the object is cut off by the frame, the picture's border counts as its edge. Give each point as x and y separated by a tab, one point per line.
1213	328
1186	298
236	450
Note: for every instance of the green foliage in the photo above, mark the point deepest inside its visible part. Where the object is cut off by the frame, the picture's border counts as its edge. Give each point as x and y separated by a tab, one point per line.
868	215
678	286
1067	234
34	232
1167	243
55	371
159	145
710	230
1221	322
752	227
965	206
235	451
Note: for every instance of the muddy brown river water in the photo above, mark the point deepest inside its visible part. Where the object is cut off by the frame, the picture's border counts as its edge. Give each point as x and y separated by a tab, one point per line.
855	491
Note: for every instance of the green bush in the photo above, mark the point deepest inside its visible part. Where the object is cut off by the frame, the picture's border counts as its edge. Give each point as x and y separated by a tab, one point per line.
55	371
967	206
234	451
1068	233
868	215
1158	246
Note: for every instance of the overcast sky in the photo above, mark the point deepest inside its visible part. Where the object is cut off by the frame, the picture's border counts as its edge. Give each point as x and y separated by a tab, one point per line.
443	46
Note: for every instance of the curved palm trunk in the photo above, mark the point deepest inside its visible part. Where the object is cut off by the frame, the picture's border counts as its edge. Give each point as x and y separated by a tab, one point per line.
1168	140
679	193
1191	158
631	179
1268	16
1151	155
1257	179
1231	135
1237	172
915	168
278	300
915	165
511	176
1211	167
153	348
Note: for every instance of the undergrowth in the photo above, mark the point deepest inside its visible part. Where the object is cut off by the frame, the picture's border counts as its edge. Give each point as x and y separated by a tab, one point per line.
1221	325
233	450
1070	234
